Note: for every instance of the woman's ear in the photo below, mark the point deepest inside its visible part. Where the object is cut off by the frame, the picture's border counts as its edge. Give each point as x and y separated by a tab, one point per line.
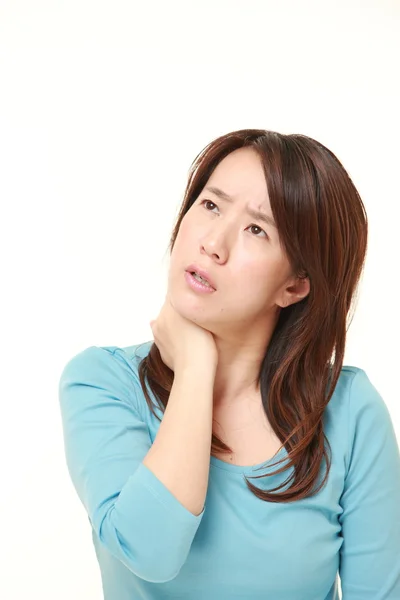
295	291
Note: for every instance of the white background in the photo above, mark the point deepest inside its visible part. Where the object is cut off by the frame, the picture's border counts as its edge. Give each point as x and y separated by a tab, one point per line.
103	106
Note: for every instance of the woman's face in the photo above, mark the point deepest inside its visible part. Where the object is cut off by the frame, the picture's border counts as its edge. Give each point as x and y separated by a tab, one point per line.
241	253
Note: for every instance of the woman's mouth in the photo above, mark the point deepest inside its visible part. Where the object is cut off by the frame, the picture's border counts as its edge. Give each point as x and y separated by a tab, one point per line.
197	283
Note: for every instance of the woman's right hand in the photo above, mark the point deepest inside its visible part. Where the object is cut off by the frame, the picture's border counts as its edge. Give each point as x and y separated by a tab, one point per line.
181	342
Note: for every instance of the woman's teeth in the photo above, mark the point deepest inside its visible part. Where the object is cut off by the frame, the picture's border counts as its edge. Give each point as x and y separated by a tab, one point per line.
201	279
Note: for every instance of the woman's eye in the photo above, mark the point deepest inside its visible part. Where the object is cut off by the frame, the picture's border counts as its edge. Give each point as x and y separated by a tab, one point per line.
259	228
204	202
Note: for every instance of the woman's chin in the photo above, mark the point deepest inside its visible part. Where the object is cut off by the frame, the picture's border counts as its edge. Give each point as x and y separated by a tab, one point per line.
191	311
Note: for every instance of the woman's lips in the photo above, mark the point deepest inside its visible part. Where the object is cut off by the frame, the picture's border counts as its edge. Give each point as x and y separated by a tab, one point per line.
196	285
203	273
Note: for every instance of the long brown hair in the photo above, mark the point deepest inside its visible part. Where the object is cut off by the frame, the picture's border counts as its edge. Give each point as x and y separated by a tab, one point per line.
323	228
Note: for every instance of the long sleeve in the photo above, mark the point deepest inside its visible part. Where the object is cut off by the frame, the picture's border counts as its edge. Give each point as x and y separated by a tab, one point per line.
135	516
370	552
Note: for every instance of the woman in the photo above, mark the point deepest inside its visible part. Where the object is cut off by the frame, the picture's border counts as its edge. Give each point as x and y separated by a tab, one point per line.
245	374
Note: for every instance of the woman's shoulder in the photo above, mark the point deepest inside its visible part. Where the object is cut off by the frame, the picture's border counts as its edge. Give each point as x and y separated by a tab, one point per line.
358	405
110	368
95	356
355	388
354	393
136	352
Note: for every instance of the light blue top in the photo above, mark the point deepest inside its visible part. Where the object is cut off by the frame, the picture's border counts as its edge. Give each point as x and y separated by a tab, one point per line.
149	546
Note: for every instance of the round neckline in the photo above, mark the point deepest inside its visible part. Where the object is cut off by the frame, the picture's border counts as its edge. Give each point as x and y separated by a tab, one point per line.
248	469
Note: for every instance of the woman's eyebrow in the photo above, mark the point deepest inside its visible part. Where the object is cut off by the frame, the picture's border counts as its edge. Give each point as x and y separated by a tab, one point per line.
256	214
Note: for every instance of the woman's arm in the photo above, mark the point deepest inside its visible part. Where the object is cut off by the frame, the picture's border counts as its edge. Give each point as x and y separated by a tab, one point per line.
180	454
134	514
370	553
